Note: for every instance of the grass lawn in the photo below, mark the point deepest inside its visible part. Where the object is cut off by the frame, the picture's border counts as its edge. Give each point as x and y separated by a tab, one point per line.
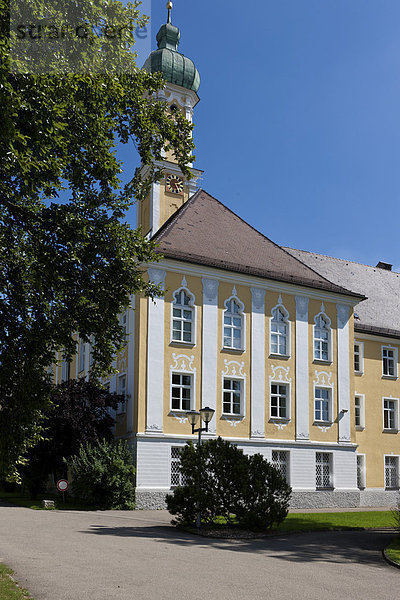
339	520
9	590
393	550
21	500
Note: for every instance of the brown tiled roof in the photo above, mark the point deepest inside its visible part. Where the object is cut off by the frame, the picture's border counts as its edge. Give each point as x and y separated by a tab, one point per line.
379	313
204	231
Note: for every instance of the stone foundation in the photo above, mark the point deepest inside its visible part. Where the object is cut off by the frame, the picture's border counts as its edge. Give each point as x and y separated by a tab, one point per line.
155	500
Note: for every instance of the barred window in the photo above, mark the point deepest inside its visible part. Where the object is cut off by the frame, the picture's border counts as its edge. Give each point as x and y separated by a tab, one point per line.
280	460
323	470
233	326
182	318
181	391
279	401
392	472
176	476
279	333
232	398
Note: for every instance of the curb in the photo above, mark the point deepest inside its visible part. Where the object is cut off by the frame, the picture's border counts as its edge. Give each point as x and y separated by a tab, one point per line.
389	560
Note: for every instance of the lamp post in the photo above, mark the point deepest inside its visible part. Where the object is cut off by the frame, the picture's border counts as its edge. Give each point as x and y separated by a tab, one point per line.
205	414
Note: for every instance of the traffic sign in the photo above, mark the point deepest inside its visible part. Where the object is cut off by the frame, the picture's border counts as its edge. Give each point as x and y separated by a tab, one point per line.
62	485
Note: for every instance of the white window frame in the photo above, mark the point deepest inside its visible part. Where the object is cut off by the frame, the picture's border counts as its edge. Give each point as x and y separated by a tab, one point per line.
396	457
278	463
81	355
121	389
288	399
190	307
360	353
171	461
280	307
124	321
330	403
361	398
327	320
231	391
361	471
191	387
234	370
331	479
242	317
65	370
393	349
395	412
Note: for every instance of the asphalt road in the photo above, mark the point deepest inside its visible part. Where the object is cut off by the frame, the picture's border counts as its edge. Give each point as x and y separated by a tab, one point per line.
138	555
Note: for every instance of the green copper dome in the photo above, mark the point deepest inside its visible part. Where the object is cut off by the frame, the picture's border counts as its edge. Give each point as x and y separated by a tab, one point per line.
174	67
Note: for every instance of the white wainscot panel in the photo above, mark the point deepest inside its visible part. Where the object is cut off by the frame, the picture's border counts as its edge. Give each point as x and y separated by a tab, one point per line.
345	469
153	464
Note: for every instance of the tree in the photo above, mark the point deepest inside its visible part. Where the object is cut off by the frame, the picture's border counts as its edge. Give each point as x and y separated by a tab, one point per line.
70	266
221	481
103	475
79	415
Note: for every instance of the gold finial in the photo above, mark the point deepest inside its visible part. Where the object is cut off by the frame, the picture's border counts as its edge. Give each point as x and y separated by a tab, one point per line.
169	7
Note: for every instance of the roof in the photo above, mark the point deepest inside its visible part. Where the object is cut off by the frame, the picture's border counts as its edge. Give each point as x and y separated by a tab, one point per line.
204	231
379	313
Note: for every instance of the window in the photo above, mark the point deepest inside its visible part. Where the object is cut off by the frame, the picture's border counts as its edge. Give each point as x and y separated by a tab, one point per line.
181	392
124	323
121	389
279	401
389	362
359	411
92	345
322	334
182	318
358	357
280	460
176	475
279	342
233	325
232	397
82	356
65	371
390	409
323	470
322	404
392	472
361	471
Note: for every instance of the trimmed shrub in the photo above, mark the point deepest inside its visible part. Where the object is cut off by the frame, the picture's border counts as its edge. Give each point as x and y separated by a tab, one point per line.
103	475
221	481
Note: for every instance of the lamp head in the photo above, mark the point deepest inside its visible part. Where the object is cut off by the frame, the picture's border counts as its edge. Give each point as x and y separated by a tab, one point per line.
207	414
193	416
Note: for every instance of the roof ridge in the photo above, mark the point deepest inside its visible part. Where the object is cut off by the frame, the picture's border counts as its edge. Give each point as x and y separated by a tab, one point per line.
354	262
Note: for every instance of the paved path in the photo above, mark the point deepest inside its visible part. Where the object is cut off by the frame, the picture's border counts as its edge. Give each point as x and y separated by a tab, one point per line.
139	556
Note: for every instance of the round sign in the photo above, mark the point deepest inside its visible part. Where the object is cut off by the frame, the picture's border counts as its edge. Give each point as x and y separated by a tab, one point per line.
62	485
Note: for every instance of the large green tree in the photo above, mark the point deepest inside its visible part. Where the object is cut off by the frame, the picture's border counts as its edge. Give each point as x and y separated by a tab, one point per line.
70	266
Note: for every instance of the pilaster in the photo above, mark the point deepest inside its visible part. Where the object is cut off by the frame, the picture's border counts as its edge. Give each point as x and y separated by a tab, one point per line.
257	363
155	356
210	347
302	370
343	349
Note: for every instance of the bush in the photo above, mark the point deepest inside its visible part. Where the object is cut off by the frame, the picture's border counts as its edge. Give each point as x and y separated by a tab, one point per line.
103	475
221	481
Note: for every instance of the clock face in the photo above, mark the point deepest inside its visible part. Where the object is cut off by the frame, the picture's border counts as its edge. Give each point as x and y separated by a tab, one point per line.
174	184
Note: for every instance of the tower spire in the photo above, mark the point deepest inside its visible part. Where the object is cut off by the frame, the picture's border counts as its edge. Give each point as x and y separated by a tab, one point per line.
169	7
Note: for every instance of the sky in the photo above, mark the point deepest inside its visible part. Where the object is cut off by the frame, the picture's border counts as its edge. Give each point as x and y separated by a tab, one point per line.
298	127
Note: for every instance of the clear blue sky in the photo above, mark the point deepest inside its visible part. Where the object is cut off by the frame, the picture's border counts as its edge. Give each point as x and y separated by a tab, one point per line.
298	128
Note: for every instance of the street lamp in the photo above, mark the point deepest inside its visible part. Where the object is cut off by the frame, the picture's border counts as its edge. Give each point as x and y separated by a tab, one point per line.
205	414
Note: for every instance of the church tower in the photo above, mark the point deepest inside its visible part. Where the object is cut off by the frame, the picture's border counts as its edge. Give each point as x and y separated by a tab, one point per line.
180	93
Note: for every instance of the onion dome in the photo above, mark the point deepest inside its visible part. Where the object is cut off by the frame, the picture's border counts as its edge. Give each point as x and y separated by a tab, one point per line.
174	66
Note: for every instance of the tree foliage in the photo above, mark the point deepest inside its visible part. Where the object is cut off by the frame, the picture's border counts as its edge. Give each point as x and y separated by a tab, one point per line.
79	415
103	475
221	481
70	266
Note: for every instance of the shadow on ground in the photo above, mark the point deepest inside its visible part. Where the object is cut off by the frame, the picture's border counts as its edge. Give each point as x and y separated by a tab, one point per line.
324	546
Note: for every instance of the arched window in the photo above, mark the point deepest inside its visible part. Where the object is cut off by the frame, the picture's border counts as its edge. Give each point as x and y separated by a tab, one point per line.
233	325
279	343
322	338
182	317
